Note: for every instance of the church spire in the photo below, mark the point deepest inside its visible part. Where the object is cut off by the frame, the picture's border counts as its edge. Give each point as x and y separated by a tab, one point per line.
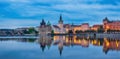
60	20
106	19
60	16
43	22
48	23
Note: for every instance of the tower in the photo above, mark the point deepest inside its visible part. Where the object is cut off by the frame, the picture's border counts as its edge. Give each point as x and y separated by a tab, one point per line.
48	23
43	24
42	29
106	20
60	22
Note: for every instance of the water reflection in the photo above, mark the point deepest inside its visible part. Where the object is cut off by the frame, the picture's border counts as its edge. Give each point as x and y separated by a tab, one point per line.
111	44
107	44
60	41
19	39
45	42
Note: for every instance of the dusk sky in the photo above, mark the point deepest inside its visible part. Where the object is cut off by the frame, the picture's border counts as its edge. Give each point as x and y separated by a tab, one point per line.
25	13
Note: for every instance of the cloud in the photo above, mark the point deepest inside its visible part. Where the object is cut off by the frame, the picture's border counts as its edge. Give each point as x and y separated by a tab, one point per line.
15	23
77	11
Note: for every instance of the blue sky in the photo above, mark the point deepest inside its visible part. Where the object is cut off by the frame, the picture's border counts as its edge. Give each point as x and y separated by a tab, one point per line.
25	13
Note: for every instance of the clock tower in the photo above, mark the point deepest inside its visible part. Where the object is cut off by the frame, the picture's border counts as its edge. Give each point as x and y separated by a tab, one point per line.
60	22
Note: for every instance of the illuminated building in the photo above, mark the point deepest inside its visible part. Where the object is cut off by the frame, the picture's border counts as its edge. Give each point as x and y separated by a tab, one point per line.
67	27
59	29
56	29
82	27
62	28
96	27
76	27
85	26
111	25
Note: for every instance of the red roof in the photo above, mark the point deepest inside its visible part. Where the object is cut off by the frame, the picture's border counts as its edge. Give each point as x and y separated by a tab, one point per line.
66	25
97	25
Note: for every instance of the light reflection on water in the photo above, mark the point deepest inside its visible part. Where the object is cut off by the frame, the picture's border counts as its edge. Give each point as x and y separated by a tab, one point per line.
60	47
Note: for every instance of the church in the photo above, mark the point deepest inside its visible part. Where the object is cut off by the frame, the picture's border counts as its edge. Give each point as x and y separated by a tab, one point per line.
59	28
45	28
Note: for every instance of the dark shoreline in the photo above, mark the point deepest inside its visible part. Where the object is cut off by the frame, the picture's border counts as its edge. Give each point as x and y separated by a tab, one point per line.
67	34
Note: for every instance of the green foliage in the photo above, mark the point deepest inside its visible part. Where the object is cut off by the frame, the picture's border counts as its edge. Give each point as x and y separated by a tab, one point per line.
31	31
100	30
31	40
89	31
78	31
52	32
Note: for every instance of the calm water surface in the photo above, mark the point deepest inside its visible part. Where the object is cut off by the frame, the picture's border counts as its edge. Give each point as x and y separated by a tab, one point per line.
60	47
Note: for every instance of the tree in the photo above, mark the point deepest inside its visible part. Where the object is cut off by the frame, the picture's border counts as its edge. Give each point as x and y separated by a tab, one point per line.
78	31
100	30
32	31
70	32
52	32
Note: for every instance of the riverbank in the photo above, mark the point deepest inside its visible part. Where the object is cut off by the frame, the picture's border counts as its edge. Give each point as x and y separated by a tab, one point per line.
19	37
108	35
95	35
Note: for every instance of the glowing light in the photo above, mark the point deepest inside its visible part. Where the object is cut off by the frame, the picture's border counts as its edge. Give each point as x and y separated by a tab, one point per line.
117	44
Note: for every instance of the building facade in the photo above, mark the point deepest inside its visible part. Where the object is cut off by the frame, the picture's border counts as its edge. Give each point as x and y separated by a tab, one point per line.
45	28
59	29
96	27
85	26
75	28
111	25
